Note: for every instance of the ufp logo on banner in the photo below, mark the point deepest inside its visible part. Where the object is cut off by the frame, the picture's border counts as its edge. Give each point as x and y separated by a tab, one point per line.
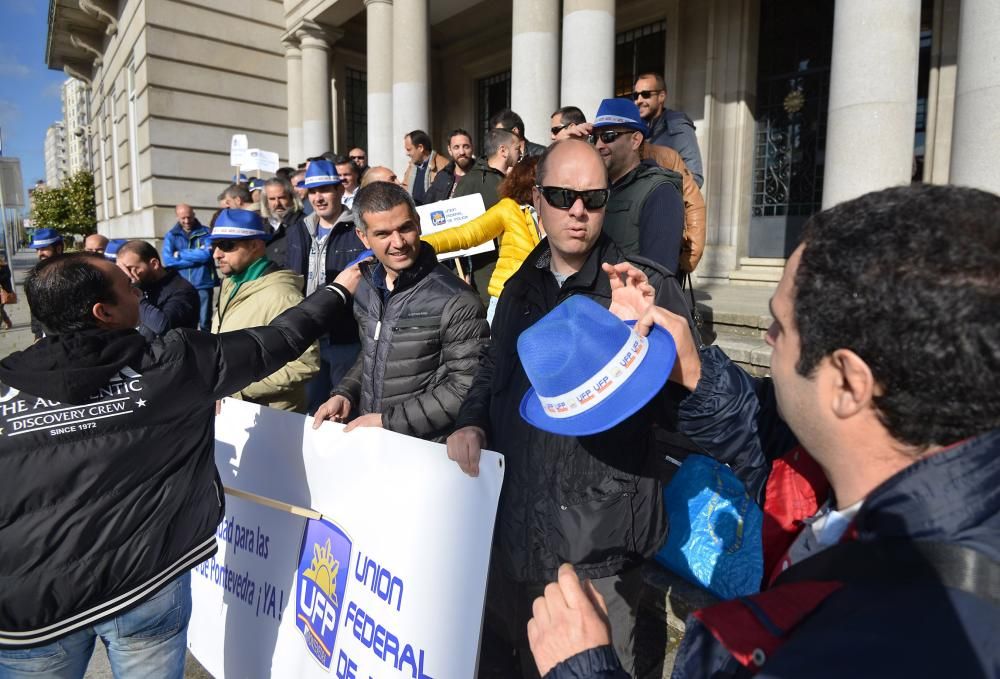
322	578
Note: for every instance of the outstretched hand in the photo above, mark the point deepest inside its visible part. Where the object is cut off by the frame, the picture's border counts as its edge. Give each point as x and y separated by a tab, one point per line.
631	293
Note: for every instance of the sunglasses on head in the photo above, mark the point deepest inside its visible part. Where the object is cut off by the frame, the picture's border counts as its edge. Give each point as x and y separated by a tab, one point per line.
225	245
563	199
608	136
645	94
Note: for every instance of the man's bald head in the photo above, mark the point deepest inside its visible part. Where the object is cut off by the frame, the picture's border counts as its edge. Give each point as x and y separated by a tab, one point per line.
185	216
379	173
570	153
95	243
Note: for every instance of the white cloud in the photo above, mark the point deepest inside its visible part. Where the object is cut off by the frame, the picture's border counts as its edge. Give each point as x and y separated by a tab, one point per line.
9	112
10	68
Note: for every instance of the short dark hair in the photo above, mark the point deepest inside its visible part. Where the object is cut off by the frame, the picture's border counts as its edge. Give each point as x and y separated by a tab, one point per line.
381	197
345	160
908	278
658	77
236	191
284	172
508	120
458	131
495	138
421	138
570	115
141	248
62	291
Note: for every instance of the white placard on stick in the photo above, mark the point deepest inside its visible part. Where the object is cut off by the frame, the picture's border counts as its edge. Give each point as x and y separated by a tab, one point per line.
445	214
390	581
257	159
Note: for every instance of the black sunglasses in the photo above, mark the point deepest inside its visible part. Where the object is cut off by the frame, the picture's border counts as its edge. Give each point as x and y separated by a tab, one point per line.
357	157
560	128
645	94
563	199
608	136
225	245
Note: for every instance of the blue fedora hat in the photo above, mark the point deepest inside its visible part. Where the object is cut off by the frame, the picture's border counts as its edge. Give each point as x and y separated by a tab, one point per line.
319	173
235	224
588	370
239	178
620	113
256	184
112	248
44	238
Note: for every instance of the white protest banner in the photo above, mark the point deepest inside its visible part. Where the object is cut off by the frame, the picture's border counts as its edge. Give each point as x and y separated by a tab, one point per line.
445	214
390	582
237	149
256	159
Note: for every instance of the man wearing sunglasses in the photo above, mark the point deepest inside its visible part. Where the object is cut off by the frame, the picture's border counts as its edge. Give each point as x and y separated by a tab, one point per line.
562	496
666	127
645	215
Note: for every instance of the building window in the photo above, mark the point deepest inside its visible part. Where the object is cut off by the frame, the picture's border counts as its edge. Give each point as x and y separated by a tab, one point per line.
115	167
923	87
102	162
641	50
356	108
133	136
493	96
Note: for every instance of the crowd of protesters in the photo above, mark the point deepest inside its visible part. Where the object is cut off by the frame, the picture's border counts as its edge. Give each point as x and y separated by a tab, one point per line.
873	450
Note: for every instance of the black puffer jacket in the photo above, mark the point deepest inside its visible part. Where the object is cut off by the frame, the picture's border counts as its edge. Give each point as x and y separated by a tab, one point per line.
584	500
108	488
419	348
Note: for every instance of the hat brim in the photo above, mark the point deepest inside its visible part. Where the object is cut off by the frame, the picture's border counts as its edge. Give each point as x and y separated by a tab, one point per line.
633	128
627	400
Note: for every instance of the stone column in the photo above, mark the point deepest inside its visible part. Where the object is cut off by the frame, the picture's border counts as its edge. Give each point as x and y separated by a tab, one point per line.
975	141
410	74
588	54
293	66
534	69
381	144
315	89
873	97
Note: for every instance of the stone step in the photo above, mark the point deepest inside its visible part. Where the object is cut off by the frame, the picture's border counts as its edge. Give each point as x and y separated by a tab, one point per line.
758	271
751	353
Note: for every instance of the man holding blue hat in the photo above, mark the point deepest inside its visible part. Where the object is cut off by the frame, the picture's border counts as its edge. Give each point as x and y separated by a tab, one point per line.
319	246
47	243
254	292
646	213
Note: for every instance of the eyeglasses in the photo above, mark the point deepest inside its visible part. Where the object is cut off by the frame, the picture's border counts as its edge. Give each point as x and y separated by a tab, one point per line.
357	157
560	128
225	245
563	199
645	94
608	136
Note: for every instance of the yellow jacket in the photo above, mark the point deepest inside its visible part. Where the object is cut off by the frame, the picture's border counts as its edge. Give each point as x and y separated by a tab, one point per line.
513	223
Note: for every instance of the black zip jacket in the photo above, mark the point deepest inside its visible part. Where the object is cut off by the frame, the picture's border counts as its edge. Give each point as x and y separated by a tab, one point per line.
169	303
108	487
419	348
590	500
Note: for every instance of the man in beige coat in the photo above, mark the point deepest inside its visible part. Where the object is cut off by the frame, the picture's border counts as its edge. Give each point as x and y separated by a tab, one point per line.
254	291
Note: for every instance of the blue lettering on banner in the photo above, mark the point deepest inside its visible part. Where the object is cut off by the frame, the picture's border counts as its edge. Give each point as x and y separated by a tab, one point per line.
321	578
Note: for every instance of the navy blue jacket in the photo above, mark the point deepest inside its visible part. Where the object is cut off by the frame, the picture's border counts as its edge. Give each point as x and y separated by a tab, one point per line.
904	630
169	303
193	256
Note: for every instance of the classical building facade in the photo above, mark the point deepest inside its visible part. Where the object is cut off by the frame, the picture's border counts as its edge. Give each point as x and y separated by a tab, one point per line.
797	105
56	159
76	120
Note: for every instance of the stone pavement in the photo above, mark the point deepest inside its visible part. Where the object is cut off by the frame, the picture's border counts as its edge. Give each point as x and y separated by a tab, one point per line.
19	337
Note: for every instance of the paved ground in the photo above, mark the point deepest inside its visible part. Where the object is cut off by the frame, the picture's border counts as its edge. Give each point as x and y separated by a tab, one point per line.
19	336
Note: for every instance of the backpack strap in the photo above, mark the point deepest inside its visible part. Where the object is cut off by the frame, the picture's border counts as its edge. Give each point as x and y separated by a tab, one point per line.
902	562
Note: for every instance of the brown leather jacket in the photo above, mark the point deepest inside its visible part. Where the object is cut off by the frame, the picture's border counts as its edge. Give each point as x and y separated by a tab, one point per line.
693	242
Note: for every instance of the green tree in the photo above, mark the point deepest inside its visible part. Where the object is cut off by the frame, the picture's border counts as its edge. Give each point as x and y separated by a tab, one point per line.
71	208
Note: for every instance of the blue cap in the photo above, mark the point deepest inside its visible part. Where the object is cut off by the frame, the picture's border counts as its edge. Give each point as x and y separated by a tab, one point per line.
256	184
320	173
589	370
236	224
44	238
239	178
114	245
620	113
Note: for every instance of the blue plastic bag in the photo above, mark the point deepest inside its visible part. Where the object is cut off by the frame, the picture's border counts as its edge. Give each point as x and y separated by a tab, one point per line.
714	539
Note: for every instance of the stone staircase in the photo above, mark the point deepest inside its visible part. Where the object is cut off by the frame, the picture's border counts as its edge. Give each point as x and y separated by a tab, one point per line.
736	318
758	271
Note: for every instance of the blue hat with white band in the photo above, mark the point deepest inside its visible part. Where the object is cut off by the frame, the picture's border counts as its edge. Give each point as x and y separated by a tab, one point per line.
236	224
112	248
45	238
620	113
319	173
589	370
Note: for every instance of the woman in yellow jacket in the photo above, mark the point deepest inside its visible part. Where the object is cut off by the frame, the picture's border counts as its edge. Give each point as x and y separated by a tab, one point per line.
513	220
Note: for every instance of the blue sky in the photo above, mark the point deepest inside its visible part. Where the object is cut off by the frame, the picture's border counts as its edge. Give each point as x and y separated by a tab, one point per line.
29	92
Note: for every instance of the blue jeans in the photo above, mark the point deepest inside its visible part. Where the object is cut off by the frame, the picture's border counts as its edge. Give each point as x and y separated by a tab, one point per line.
205	309
149	640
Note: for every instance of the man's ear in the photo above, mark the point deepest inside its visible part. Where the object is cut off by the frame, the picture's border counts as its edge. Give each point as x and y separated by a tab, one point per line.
536	198
854	384
100	312
363	237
